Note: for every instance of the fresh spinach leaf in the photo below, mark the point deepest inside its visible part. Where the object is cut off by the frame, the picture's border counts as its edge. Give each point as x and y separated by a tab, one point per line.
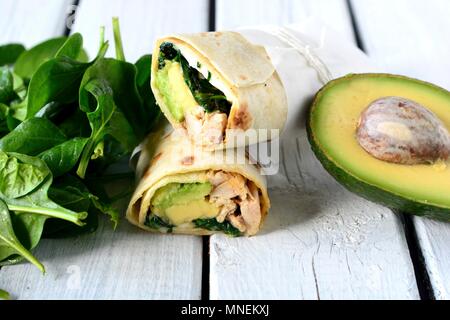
62	158
213	225
4	109
143	66
7	120
106	153
28	228
4	112
71	193
7	93
36	201
120	78
29	61
9	53
156	223
83	56
103	203
57	80
72	47
4	295
76	124
32	137
106	119
118	39
18	178
18	110
107	209
9	243
57	112
20	87
59	229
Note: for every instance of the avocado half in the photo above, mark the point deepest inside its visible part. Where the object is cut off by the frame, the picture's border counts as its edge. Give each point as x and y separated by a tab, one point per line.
331	125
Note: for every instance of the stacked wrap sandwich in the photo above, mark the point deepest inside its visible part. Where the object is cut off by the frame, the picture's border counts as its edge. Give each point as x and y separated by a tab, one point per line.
207	85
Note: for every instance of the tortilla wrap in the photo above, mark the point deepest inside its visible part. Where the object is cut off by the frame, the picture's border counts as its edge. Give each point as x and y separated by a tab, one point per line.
176	160
242	71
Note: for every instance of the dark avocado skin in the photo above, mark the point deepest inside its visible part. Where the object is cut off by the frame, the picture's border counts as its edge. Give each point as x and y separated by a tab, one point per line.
364	189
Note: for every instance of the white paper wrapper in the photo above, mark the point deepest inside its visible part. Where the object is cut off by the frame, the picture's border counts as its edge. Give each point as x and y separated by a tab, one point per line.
306	56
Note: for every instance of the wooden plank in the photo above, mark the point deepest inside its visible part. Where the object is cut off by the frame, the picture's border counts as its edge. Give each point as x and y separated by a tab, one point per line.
411	38
235	13
320	241
124	264
127	263
29	22
434	237
407	37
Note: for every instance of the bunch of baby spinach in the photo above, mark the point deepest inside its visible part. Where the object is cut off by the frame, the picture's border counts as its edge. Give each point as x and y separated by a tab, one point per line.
63	120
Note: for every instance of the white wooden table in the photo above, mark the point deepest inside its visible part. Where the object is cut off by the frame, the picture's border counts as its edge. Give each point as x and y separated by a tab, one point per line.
320	241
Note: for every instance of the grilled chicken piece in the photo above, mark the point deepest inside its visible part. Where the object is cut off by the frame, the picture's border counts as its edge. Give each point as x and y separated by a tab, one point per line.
228	208
251	209
209	126
214	128
231	188
194	121
218	177
237	222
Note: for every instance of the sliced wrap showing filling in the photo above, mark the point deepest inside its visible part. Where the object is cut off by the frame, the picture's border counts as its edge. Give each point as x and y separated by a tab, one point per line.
190	97
227	202
212	83
185	189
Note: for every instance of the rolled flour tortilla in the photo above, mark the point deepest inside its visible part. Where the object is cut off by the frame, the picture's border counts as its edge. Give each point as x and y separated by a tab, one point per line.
246	91
185	189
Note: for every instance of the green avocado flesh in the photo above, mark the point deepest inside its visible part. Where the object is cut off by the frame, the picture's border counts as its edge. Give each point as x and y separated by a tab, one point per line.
183	87
180	193
180	203
174	91
332	121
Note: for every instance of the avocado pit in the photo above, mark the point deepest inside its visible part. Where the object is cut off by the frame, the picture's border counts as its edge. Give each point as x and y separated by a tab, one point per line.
402	131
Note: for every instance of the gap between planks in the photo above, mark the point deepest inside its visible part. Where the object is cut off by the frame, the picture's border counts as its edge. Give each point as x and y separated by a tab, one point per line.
414	44
206	262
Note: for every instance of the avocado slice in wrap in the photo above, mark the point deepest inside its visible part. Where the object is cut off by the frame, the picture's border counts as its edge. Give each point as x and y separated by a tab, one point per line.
184	188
